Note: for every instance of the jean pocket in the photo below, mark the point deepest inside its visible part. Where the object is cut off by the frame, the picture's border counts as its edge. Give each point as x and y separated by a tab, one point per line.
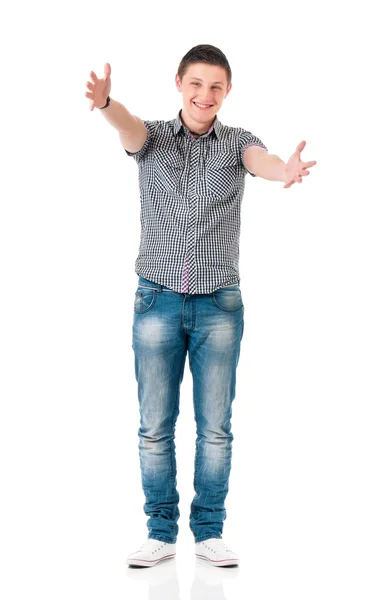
145	298
228	299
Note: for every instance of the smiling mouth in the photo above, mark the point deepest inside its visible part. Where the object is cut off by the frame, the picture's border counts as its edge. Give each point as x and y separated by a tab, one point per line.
200	107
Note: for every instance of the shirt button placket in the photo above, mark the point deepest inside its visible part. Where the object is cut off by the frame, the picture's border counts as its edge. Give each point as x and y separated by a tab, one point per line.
189	276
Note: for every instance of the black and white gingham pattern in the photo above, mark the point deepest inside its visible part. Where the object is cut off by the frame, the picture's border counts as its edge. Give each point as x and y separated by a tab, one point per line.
191	192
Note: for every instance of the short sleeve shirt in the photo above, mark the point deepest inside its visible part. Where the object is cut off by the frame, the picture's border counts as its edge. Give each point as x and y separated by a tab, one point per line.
191	191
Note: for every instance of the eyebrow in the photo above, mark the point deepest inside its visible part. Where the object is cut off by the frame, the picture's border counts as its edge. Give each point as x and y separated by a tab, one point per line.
202	80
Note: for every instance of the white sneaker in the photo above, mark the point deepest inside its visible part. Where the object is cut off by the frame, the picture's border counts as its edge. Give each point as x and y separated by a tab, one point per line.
216	552
151	553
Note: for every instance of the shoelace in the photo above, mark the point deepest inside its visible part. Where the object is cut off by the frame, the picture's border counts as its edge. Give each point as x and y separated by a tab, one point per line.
215	542
152	542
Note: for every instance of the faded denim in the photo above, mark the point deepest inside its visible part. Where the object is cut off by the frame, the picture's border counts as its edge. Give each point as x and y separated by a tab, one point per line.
166	326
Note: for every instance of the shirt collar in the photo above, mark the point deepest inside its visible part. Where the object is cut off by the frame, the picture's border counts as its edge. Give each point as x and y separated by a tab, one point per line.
216	126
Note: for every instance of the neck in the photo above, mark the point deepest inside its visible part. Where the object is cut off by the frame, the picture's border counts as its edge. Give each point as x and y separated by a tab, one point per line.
193	126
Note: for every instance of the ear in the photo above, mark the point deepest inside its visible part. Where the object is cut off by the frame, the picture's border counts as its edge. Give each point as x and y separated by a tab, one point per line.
178	82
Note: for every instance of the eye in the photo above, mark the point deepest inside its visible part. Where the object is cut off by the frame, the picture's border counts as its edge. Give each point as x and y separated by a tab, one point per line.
196	83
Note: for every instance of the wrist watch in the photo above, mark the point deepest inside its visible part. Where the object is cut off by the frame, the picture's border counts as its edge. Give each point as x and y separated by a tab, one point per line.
107	104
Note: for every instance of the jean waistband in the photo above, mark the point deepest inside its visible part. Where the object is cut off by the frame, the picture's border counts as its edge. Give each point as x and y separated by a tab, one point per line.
159	287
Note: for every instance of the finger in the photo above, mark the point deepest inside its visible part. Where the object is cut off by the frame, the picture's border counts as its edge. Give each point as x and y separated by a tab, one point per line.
90	85
301	146
93	76
89	95
107	70
309	164
289	184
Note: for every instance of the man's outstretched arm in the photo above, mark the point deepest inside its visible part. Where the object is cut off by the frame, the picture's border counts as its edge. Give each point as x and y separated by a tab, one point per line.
271	167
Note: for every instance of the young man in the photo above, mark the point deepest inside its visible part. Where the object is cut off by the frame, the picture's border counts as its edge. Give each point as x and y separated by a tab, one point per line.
188	299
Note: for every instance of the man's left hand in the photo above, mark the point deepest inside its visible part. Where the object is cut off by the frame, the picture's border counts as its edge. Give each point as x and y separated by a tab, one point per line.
295	168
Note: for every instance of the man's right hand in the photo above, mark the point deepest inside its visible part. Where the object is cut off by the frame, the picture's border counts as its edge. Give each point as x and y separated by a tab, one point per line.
99	88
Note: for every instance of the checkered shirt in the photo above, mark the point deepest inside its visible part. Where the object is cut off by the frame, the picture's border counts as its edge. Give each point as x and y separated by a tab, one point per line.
191	191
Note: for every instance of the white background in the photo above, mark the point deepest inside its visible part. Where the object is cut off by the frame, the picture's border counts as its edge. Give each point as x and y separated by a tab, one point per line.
300	503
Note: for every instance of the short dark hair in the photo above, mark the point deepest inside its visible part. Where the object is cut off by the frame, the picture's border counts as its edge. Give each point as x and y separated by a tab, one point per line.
207	54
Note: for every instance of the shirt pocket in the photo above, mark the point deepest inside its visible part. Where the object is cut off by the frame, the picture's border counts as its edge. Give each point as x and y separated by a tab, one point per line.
221	174
168	167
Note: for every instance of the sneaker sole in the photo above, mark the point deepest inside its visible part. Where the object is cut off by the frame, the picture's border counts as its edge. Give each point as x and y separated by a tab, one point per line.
137	562
219	563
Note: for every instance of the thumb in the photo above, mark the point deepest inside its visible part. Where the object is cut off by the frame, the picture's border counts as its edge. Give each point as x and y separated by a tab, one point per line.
107	71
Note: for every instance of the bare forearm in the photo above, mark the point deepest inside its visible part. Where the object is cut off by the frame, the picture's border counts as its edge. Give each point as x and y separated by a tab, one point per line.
120	118
271	167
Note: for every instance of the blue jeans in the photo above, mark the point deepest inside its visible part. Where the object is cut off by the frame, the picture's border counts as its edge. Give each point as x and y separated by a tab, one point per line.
166	325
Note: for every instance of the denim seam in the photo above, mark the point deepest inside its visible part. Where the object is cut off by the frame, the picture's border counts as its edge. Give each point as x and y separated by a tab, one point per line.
196	441
226	310
174	416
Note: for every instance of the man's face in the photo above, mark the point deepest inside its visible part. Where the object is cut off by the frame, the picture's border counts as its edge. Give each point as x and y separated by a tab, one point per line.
206	85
